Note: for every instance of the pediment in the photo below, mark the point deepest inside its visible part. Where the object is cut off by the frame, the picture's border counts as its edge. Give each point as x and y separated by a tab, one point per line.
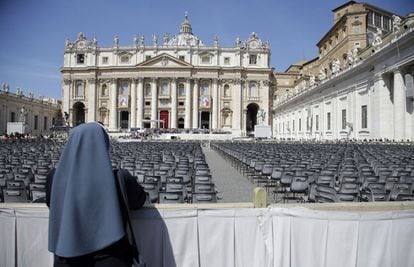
164	61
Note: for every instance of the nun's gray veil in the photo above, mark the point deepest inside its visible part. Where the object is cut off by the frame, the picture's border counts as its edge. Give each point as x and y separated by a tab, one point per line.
85	213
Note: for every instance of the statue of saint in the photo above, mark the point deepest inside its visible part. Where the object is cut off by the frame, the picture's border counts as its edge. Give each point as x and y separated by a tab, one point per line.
336	65
136	40
116	40
377	38
23	115
261	115
216	41
155	40
142	40
322	74
396	23
166	38
311	80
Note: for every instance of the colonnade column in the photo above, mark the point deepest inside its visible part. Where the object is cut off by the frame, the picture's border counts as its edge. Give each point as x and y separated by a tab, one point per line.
113	114
91	99
187	118
399	106
237	105
66	95
195	103
154	104
215	105
173	123
133	122
140	103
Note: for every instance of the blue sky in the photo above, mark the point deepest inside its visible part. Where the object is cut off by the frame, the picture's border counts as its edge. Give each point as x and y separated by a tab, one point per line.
33	32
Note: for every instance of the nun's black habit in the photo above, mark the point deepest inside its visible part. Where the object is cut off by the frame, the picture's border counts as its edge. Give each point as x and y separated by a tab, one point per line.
85	213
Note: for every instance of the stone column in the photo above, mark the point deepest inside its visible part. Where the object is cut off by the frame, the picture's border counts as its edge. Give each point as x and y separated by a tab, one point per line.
66	95
154	104
237	105
195	104
173	123
243	121
140	104
91	99
215	100
399	106
187	118
113	124
133	103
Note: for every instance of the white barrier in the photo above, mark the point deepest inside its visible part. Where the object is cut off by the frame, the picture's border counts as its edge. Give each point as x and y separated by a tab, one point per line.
275	236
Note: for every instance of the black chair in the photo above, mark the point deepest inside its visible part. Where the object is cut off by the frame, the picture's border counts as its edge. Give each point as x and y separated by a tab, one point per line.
170	197
204	198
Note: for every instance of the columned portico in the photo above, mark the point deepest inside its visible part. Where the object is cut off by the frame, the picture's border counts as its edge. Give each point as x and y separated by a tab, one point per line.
154	103
113	111
195	104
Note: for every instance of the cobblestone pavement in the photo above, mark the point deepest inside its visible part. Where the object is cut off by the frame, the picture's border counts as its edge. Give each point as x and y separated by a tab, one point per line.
231	185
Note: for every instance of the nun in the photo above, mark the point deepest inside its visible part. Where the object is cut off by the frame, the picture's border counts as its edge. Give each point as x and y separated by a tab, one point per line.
87	219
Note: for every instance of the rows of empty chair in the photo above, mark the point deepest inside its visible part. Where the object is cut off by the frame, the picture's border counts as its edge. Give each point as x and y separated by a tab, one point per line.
24	165
326	172
170	172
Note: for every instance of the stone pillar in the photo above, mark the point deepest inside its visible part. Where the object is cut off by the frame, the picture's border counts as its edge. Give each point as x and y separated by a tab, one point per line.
91	99
154	104
399	106
215	100
66	95
243	122
237	105
140	104
173	123
195	104
187	118
133	122
113	123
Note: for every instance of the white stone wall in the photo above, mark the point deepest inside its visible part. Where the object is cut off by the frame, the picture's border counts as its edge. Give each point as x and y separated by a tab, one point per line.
379	82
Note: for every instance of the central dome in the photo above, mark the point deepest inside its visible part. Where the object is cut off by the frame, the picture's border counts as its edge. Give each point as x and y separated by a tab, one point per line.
185	37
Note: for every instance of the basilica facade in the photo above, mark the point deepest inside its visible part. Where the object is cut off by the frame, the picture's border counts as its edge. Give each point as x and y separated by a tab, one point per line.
174	82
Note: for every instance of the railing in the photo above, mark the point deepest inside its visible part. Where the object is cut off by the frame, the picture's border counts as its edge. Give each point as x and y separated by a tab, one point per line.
338	234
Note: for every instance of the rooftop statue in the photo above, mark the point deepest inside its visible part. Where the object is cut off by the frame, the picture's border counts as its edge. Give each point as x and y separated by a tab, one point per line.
377	38
322	74
396	23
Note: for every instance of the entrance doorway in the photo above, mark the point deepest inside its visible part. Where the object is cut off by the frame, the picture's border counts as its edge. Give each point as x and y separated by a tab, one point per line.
78	113
147	124
124	119
205	120
164	117
251	116
181	123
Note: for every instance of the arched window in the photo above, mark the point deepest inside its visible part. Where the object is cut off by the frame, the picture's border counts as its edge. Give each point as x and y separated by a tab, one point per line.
204	89
147	89
181	90
226	90
164	89
104	90
79	92
253	90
